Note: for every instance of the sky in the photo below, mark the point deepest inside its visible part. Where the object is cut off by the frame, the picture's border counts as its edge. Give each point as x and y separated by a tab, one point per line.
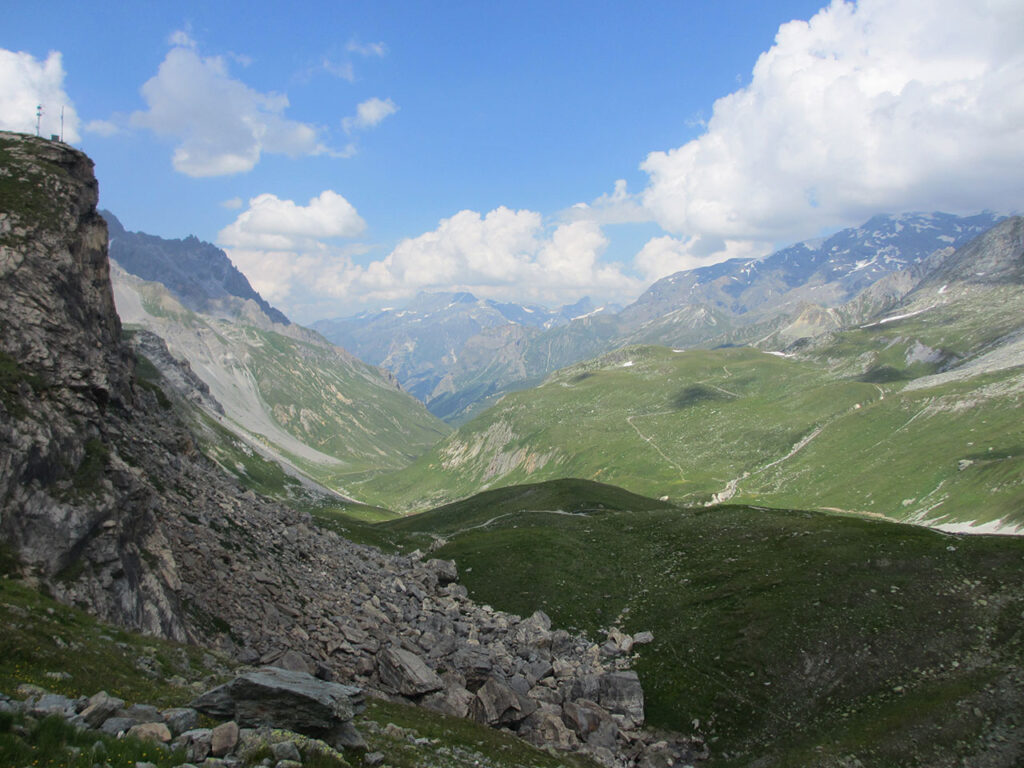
349	154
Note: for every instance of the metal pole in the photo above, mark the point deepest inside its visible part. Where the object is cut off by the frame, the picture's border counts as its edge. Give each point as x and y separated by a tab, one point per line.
39	116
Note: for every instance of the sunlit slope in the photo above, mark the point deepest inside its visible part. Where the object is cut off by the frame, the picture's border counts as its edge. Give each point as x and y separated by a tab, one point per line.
738	424
787	638
303	399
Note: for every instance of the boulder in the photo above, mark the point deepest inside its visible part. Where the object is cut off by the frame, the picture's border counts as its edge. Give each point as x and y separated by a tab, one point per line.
621	694
545	727
497	703
453	700
406	673
224	739
100	706
591	723
280	698
180	719
445	570
157	732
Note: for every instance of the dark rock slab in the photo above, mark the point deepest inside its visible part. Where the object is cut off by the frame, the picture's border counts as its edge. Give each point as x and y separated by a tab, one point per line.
281	698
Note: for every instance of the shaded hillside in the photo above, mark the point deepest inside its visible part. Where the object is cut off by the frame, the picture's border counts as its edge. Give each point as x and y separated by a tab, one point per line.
786	638
285	390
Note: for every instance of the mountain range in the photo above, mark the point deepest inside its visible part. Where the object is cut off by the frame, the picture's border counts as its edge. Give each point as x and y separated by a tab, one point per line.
458	354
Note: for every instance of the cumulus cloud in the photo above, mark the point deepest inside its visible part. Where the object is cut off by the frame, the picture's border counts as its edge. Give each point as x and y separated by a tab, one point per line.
25	83
503	254
369	113
273	224
221	125
882	105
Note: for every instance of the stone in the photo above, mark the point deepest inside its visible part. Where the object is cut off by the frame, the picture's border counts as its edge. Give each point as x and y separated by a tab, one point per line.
406	673
100	706
196	743
158	732
445	570
117	725
144	713
621	693
296	662
280	698
545	727
180	719
224	739
453	700
285	750
51	704
643	638
496	703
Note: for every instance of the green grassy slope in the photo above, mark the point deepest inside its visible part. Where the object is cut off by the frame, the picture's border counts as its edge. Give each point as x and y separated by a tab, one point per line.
794	638
318	408
841	431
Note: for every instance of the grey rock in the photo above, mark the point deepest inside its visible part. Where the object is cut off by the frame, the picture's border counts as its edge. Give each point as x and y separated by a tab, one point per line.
453	700
545	727
285	750
643	638
621	693
224	739
281	698
116	725
406	673
51	704
496	703
100	707
157	732
180	719
144	713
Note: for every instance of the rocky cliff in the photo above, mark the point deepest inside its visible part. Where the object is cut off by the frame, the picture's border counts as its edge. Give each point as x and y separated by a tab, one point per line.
107	503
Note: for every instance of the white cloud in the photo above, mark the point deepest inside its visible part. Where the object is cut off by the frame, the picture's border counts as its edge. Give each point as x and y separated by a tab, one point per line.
221	125
504	254
619	207
26	83
663	256
273	224
883	105
369	113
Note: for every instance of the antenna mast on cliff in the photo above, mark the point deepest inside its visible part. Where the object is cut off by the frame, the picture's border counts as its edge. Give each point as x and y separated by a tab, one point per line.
39	116
61	123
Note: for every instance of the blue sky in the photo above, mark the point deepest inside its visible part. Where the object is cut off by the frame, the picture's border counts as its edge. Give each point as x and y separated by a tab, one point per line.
349	154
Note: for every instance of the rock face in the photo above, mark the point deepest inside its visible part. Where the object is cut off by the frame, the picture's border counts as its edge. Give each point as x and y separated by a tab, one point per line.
108	503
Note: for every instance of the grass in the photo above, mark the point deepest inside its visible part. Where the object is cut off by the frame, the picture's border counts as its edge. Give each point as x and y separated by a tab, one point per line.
779	631
737	424
12	378
53	743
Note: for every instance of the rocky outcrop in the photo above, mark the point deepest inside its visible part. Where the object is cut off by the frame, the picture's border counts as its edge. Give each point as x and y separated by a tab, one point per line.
108	503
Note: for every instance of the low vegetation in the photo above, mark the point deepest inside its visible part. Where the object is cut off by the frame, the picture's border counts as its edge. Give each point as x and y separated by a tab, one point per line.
793	637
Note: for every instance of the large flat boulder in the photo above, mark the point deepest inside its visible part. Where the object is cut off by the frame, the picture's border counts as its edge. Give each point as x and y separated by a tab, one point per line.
281	698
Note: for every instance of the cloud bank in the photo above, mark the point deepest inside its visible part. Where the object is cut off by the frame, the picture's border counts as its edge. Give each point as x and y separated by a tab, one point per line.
291	254
26	83
882	105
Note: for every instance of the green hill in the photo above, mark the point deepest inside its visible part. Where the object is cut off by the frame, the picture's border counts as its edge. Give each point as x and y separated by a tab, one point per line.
786	638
